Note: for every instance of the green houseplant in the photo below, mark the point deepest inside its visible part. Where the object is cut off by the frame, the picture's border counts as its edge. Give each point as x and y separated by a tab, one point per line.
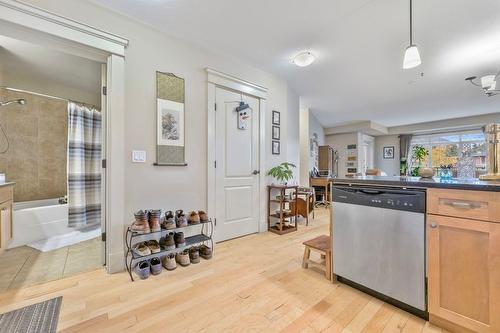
282	172
419	154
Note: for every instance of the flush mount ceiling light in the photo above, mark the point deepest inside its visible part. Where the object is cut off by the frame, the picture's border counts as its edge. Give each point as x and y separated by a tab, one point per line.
488	83
303	59
412	56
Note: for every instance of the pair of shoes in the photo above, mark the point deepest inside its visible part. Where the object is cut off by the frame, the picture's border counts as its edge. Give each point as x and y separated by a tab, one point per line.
169	221
141	224
194	255
154	216
169	262
196	217
180	219
146	248
205	252
172	240
182	258
144	268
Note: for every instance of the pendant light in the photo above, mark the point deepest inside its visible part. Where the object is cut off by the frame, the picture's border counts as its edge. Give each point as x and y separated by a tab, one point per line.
412	56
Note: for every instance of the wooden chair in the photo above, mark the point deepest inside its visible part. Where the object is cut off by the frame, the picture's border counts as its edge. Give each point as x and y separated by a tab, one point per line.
305	203
323	245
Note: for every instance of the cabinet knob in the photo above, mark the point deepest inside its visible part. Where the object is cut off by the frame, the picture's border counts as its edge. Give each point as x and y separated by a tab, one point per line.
434	225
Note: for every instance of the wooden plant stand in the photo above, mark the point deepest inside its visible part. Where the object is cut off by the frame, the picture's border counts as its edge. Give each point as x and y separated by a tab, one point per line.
281	222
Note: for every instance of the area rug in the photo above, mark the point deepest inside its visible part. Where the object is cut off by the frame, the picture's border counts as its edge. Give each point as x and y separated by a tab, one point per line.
36	318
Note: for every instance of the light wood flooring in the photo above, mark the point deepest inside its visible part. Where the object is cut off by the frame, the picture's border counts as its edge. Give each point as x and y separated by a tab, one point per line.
253	284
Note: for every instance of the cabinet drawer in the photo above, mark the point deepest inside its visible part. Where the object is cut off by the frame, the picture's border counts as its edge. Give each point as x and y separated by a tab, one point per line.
6	193
476	205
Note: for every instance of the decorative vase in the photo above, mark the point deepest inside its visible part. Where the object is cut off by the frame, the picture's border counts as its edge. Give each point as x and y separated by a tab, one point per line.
426	172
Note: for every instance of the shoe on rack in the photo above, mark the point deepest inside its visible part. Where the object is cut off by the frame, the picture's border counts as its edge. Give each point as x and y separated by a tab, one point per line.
140	225
194	218
153	246
182	258
168	242
141	249
205	252
142	269
203	216
155	264
154	220
169	221
169	262
194	255
179	239
180	219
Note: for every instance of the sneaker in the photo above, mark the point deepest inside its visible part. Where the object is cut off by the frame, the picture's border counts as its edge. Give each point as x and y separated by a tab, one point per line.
180	219
182	258
168	242
205	252
194	255
179	239
155	265
203	216
169	262
153	246
169	221
142	269
154	220
140	228
141	249
194	218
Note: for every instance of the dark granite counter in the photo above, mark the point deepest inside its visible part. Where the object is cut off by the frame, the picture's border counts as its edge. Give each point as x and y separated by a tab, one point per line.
456	184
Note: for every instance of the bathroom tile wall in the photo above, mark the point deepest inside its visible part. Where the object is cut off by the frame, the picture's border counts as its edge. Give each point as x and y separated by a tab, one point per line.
37	133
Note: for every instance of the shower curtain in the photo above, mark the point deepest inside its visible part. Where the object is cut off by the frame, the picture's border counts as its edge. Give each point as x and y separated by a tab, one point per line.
84	165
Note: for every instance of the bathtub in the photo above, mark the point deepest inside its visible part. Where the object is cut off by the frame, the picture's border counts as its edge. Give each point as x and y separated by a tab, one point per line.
43	224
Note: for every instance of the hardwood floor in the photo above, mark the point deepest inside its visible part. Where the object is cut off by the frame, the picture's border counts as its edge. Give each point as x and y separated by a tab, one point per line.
253	284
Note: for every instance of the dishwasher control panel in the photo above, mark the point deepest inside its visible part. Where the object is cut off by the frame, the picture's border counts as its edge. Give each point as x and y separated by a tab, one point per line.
412	200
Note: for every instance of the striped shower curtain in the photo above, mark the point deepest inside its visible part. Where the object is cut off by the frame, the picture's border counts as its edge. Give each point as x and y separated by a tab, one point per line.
84	165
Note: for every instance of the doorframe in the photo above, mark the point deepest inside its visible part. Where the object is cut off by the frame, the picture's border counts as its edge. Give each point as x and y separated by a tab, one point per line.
30	23
215	80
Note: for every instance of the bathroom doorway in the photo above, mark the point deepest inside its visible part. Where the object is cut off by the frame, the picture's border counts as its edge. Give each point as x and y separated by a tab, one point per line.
51	149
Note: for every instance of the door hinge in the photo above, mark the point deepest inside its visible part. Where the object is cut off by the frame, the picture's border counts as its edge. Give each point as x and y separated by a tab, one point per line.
215	221
103	236
104	164
105	91
215	164
215	104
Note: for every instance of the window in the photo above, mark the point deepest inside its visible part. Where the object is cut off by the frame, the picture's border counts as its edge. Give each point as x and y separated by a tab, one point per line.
465	151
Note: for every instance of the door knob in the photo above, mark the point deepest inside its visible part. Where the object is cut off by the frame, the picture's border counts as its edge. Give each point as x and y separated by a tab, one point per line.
434	225
256	172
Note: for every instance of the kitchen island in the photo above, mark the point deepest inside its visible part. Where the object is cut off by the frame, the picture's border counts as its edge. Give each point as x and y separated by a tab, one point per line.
453	233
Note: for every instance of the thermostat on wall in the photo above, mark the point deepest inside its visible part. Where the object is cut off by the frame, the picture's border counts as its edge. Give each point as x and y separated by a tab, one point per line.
138	156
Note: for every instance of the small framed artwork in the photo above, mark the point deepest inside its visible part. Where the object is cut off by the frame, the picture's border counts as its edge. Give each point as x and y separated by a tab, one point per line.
276	147
389	152
276	118
276	132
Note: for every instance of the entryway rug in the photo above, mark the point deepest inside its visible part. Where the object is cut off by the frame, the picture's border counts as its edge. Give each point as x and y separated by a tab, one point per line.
37	318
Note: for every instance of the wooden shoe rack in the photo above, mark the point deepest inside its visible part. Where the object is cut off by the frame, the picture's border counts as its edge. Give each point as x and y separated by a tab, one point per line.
132	238
283	220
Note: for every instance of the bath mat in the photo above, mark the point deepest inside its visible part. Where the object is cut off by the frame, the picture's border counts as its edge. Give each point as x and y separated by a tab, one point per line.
36	318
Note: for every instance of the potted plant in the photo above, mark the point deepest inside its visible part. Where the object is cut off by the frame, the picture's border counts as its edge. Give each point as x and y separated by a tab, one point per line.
419	154
282	172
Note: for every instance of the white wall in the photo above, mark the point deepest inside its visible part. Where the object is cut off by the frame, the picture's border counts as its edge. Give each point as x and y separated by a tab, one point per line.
150	51
293	129
304	146
390	166
339	142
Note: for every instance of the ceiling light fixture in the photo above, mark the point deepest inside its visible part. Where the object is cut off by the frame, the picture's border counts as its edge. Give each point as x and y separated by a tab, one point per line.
488	83
303	59
412	56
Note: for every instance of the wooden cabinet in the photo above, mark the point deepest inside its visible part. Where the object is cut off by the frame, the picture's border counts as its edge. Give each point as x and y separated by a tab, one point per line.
6	222
326	160
463	263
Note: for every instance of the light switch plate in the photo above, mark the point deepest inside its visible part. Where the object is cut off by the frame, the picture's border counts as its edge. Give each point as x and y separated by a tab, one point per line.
139	156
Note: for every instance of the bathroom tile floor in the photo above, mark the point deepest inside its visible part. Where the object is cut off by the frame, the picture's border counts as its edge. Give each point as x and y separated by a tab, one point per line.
25	266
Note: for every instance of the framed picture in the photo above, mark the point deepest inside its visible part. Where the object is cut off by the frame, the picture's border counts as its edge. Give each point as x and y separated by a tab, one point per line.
276	132
276	118
276	147
389	152
170	123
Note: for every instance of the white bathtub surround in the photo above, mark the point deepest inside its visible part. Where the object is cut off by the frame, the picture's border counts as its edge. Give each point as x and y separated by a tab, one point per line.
43	224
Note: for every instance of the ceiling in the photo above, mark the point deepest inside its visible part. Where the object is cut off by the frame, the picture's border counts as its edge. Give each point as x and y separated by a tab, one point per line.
42	70
359	46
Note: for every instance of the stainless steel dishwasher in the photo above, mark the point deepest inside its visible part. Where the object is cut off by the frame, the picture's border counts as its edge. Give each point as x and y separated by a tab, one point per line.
379	243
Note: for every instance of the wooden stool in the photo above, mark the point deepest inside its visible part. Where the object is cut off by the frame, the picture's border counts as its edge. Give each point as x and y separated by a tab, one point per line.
323	245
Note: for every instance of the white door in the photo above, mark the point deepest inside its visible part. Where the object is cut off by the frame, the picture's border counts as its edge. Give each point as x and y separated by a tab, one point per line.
237	167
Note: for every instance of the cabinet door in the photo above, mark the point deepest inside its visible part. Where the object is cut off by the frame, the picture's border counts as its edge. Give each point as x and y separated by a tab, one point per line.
5	224
464	272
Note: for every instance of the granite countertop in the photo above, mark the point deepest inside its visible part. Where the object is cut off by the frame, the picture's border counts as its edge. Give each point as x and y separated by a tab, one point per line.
458	184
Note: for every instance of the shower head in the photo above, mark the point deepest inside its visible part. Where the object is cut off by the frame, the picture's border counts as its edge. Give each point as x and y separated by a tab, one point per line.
21	101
